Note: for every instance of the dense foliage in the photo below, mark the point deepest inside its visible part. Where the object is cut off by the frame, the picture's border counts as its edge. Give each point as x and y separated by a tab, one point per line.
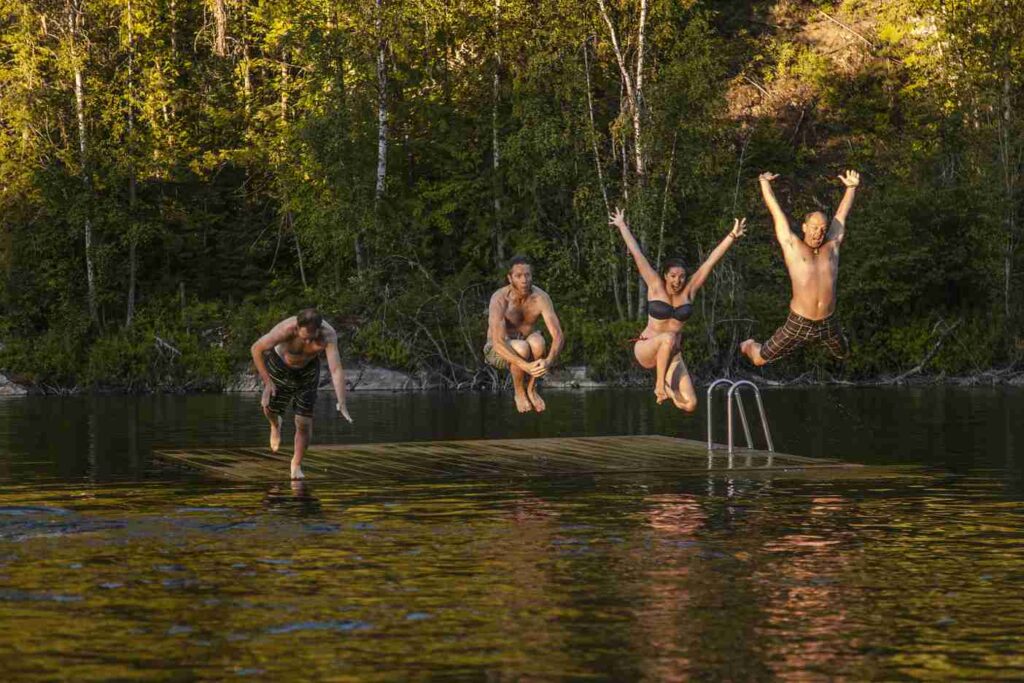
176	175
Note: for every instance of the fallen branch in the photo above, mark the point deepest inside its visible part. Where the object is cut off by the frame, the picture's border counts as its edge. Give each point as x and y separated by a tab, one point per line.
931	352
163	345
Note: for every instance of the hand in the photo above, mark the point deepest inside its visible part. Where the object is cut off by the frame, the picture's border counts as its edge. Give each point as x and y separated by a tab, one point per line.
618	219
343	411
767	176
739	228
268	392
850	179
538	368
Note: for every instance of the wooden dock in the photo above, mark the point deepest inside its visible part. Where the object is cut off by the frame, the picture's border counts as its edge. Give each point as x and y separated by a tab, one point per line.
503	458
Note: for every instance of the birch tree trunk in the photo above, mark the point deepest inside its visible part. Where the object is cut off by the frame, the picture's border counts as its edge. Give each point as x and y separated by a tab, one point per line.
1011	177
132	228
498	237
382	122
74	24
664	204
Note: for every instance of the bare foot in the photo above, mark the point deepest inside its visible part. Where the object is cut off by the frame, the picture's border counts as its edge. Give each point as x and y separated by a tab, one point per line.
660	394
752	350
275	434
669	389
297	472
536	400
671	393
523	404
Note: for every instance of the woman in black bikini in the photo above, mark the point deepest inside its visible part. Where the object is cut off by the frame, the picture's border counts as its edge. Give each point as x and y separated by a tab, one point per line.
669	306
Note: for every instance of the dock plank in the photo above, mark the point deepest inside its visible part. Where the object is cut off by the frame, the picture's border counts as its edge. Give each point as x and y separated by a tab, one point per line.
505	458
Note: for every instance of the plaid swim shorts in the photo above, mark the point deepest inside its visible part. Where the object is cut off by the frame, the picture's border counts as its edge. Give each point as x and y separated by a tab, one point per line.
798	331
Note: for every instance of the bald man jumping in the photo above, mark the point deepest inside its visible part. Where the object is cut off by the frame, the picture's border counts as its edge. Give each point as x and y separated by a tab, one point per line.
813	265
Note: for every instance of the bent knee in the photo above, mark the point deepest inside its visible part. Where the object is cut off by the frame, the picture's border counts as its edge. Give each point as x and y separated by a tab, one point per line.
522	348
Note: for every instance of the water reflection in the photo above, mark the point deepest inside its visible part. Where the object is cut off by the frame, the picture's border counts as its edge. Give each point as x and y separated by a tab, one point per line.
296	497
109	569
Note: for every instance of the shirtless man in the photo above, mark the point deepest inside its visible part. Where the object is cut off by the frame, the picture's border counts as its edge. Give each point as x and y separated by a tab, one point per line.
813	265
511	340
288	361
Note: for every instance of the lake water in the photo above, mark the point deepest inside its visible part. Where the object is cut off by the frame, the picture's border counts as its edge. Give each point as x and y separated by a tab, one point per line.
111	568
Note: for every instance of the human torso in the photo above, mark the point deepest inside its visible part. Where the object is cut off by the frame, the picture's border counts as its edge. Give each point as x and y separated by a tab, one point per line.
521	314
667	313
297	352
813	276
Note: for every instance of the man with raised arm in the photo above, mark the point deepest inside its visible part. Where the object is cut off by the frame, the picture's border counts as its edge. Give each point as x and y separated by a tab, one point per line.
288	361
813	265
511	340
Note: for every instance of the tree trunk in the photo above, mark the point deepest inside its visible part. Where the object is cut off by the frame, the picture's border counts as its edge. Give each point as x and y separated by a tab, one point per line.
74	21
220	18
664	204
382	115
132	229
633	85
172	11
593	131
498	237
638	103
1010	179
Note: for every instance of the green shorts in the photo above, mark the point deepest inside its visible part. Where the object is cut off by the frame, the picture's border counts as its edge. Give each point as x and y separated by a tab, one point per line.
491	356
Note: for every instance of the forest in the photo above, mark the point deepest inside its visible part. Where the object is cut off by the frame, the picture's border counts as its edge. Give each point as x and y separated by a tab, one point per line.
178	175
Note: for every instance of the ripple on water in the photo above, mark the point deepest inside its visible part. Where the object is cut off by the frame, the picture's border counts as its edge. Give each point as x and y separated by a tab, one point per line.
26	596
330	625
24	510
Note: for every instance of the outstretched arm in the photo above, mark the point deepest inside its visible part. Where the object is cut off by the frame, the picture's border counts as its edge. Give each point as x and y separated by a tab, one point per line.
650	276
697	280
337	370
837	231
782	230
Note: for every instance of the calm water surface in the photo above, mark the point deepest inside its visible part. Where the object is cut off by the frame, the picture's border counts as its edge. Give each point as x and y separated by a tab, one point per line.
111	568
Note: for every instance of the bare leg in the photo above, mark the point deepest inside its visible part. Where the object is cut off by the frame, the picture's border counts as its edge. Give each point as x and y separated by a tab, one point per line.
537	347
681	386
275	429
523	404
655	352
303	433
666	346
752	350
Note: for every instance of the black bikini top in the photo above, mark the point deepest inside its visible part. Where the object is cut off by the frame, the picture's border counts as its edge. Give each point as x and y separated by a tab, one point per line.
662	310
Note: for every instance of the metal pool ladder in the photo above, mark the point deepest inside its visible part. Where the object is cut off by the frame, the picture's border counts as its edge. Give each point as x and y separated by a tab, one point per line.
734	387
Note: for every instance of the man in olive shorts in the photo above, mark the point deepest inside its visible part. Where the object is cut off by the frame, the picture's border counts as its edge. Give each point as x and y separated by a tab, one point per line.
512	343
813	265
288	361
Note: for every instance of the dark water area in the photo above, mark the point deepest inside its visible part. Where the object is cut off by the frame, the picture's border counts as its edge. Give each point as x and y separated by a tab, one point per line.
112	568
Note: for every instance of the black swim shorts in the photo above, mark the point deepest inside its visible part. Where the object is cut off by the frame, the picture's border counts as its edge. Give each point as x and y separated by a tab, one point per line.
293	385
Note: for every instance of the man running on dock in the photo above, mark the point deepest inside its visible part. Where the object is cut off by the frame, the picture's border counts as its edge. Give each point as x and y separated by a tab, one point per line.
288	361
813	265
511	340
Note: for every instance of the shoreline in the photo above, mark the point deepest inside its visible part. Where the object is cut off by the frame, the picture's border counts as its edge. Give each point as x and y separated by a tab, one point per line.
374	379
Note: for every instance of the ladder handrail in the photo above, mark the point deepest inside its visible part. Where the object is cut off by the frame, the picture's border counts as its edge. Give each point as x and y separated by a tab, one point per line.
711	388
760	407
734	387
